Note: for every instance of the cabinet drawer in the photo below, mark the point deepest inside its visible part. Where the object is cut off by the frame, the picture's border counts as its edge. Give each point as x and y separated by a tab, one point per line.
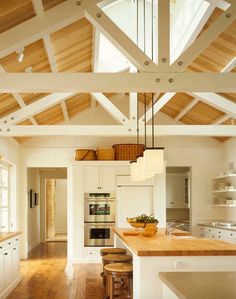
92	253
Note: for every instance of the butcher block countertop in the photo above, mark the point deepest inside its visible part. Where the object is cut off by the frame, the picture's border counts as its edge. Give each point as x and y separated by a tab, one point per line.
195	285
163	245
8	235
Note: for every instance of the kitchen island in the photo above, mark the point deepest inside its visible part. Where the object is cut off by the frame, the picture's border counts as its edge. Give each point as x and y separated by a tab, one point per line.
162	253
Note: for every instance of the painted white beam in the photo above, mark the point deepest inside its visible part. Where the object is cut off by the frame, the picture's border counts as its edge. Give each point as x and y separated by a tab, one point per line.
19	99
159	104
205	39
221	120
34	108
110	108
217	101
230	66
118	130
186	109
64	111
37	27
50	53
119	39
117	82
133	99
219	3
163	35
38	7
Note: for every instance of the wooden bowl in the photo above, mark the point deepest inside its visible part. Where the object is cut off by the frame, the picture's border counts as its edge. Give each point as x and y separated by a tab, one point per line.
137	224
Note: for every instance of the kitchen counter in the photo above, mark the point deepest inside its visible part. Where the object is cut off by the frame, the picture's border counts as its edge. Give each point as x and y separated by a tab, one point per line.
195	285
8	235
163	245
233	228
162	253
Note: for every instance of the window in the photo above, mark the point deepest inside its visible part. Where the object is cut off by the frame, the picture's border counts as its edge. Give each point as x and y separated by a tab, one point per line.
4	197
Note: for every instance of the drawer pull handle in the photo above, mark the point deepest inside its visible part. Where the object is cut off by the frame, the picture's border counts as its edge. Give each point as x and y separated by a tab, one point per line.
5	253
0	247
14	248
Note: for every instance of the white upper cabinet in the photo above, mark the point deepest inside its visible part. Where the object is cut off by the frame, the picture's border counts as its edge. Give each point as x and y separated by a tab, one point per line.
177	190
99	179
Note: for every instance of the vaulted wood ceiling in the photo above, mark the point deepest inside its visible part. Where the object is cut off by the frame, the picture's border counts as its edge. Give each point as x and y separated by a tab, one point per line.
73	50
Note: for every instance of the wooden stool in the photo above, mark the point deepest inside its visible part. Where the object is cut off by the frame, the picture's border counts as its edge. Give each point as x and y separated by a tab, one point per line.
123	272
105	251
114	258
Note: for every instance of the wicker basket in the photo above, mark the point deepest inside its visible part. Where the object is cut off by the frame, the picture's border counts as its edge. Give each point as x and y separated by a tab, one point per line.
106	154
128	151
85	154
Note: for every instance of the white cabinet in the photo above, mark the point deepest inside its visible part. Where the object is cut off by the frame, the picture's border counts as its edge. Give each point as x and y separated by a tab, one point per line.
217	233
9	266
177	190
99	179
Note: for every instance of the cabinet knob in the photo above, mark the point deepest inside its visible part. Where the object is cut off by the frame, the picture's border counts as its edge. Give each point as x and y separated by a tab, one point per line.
5	253
17	240
14	248
9	243
0	247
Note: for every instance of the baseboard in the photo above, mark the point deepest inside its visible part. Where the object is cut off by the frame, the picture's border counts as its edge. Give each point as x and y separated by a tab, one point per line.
33	245
10	288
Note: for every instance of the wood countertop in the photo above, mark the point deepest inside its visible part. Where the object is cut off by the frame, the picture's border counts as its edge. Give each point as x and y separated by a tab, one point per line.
195	285
163	245
8	235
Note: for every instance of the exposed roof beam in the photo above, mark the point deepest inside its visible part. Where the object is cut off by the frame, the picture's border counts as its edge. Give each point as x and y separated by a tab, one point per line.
221	120
230	66
164	33
116	82
39	26
133	99
19	99
118	130
217	101
34	108
64	111
219	3
186	109
38	7
50	53
110	107
119	39
205	39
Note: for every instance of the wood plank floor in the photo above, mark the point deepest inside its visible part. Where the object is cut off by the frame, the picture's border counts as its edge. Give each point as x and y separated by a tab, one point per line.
43	276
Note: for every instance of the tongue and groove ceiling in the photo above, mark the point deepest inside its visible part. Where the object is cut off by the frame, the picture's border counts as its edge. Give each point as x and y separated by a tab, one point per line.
73	47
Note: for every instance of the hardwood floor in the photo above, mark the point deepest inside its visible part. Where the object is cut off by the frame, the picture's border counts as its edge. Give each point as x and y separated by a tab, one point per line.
43	276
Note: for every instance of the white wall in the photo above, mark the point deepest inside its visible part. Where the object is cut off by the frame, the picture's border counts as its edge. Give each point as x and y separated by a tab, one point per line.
61	207
33	213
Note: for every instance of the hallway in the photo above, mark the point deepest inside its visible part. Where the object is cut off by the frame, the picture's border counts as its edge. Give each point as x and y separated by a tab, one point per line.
43	276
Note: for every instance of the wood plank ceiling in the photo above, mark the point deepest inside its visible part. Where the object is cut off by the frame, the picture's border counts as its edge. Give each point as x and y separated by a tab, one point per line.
72	48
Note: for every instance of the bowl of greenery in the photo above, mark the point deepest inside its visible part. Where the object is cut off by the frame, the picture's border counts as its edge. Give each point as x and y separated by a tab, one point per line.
144	221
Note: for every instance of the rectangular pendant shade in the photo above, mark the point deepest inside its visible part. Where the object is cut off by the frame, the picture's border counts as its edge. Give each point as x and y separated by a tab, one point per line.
153	160
135	172
142	173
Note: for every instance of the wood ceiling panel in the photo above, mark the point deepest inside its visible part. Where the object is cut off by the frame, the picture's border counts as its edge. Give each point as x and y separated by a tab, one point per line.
73	47
202	114
78	104
7	104
29	98
51	116
47	4
14	12
220	52
34	56
176	104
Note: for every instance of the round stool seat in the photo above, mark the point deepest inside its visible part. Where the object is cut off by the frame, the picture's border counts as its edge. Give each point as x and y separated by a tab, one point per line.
105	251
119	268
112	258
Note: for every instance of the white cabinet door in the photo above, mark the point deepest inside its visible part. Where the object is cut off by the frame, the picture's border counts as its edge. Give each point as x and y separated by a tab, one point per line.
1	271
91	179
15	261
107	179
7	266
175	192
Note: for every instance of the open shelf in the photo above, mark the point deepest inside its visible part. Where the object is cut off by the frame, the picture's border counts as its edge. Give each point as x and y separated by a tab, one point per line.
225	176
224	205
223	191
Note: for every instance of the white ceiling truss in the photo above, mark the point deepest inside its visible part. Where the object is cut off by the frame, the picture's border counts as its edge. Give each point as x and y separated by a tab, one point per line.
164	77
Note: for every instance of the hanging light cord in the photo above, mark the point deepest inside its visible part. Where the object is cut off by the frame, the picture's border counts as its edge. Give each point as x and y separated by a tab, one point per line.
152	120
145	119
137	25
144	26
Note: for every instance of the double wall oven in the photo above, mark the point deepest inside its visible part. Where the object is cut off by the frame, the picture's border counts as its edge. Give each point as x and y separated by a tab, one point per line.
99	219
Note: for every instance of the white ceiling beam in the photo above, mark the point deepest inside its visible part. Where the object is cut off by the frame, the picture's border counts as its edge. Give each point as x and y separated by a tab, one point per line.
38	7
110	108
217	101
34	108
116	82
164	35
133	99
186	109
64	111
230	66
37	27
118	130
119	39
158	105
50	53
205	39
221	120
219	3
